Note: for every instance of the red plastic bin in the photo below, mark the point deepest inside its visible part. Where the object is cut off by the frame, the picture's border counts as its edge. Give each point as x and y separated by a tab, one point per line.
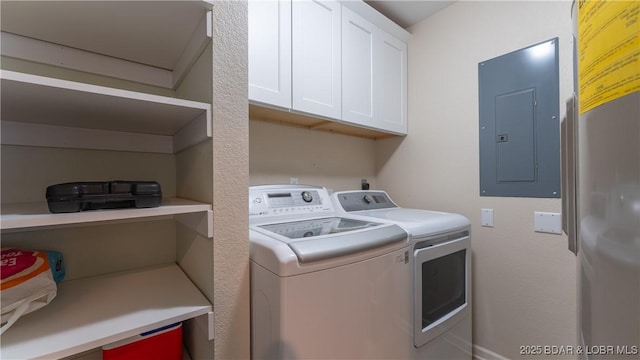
164	343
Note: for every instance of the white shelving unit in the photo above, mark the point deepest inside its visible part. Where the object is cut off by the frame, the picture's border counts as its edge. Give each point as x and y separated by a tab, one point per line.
93	312
68	107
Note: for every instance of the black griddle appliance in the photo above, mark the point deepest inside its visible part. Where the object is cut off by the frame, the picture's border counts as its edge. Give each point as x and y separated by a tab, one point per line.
80	196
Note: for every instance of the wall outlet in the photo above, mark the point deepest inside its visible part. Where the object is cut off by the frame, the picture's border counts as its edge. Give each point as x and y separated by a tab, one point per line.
487	217
547	222
293	181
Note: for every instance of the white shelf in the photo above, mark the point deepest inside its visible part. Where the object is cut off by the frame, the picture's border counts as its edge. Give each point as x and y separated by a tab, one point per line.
91	312
152	42
38	110
35	216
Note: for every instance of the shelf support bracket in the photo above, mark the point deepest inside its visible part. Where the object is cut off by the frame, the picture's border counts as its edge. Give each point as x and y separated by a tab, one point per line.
200	222
199	41
211	325
197	131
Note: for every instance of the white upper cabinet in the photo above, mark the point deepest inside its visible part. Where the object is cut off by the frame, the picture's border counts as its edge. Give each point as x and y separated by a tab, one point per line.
391	82
336	60
317	58
374	75
359	38
270	52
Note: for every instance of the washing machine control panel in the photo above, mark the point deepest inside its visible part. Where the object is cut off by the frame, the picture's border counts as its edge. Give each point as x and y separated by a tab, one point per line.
364	200
280	200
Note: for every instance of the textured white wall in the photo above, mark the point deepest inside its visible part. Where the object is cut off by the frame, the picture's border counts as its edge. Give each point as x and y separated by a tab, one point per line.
524	282
230	181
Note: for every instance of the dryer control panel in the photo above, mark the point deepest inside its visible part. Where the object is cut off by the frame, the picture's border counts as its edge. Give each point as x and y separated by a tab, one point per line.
364	200
276	200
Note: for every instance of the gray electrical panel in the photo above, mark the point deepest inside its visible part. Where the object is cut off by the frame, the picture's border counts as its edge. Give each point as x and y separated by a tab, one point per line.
519	123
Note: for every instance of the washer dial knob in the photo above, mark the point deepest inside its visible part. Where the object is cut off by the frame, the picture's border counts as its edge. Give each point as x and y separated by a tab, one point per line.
368	199
307	197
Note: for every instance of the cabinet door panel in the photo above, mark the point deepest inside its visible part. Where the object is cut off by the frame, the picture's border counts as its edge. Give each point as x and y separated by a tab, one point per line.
392	84
270	52
317	58
359	39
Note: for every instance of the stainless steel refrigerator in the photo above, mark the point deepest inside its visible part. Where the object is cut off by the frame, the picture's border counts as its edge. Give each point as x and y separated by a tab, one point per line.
601	177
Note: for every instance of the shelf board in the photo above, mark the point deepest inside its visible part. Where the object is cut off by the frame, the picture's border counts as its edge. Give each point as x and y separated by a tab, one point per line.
154	33
44	101
35	216
92	312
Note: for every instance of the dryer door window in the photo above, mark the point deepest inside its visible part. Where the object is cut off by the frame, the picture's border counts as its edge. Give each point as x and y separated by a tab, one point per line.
443	286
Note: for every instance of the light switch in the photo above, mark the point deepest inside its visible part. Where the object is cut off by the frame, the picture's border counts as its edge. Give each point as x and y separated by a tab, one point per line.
547	222
487	217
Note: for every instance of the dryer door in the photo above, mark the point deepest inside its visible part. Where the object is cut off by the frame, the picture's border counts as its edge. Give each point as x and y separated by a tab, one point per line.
442	286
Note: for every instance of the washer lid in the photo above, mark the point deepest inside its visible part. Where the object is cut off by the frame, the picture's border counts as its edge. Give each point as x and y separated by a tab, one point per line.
325	238
316	227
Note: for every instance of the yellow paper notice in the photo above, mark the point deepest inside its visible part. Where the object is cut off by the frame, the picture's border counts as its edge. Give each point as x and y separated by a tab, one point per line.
609	50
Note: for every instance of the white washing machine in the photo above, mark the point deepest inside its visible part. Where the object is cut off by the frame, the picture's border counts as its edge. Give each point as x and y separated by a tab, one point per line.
441	258
324	285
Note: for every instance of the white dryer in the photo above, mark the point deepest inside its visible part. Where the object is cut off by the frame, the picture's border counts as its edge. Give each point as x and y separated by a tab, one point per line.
324	285
441	258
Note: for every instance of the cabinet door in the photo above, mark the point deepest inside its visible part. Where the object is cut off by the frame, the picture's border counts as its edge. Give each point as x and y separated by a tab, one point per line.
270	52
359	38
392	84
317	58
